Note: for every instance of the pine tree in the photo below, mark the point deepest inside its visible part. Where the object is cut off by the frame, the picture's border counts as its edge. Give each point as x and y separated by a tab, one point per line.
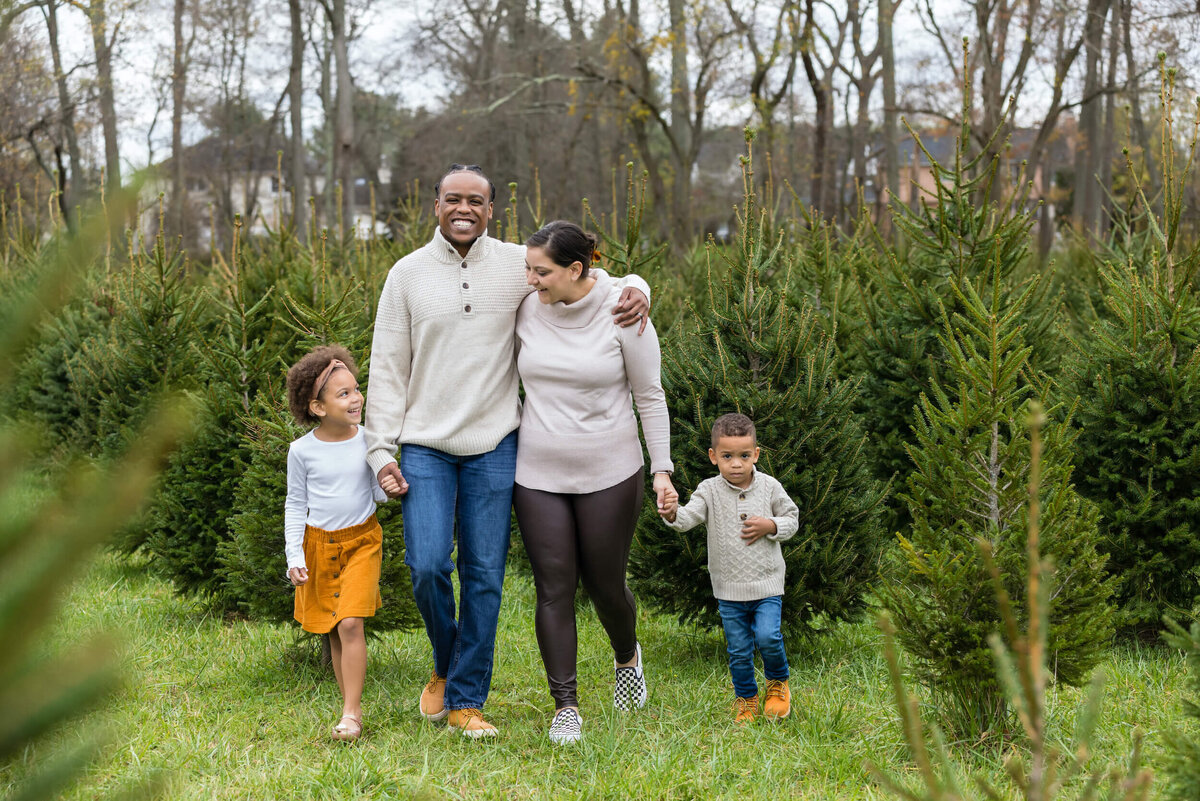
748	350
907	294
1137	377
1045	766
150	347
47	538
44	381
190	515
1183	739
252	558
967	486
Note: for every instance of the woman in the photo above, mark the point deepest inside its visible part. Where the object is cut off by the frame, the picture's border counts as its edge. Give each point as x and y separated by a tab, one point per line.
579	475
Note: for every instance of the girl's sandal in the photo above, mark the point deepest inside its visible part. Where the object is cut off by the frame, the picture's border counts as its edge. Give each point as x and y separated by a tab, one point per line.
348	729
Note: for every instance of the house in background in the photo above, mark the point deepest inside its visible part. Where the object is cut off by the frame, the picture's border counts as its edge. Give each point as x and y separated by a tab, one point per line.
223	179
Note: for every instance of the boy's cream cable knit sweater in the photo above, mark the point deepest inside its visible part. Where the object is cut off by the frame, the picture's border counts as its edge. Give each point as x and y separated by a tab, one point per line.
741	572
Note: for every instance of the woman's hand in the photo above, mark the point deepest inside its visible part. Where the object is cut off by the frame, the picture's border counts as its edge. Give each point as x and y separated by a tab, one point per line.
297	575
667	497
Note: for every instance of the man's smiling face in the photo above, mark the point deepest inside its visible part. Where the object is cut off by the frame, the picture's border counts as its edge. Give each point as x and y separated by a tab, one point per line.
463	208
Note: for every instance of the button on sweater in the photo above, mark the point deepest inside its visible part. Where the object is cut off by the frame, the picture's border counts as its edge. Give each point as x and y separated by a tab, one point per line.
442	371
741	572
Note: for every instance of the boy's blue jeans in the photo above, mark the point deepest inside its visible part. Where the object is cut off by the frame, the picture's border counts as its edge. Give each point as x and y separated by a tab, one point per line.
477	491
751	624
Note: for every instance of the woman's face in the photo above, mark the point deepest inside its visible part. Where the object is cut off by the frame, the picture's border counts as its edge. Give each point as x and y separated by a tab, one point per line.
553	282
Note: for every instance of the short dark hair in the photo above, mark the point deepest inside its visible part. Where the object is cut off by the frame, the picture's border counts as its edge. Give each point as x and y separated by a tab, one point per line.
733	425
565	242
474	168
303	375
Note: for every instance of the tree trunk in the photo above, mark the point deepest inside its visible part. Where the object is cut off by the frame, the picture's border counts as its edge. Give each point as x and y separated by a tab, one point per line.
1133	93
296	99
178	97
345	114
891	129
1086	205
1104	204
72	186
1046	222
820	121
329	145
681	113
97	16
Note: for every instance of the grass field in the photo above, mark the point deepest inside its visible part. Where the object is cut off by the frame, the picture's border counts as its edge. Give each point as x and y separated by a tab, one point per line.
233	710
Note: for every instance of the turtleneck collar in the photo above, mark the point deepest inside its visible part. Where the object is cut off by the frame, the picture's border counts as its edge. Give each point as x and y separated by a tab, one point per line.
582	311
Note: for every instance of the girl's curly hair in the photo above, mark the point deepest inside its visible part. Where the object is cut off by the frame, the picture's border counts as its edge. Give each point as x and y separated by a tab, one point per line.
303	374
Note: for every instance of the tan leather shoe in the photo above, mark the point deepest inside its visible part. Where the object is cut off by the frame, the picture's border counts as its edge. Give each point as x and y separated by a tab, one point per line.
778	704
471	723
745	710
433	699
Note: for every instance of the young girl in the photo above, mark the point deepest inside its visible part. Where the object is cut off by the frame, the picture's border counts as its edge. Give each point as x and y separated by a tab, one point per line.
332	540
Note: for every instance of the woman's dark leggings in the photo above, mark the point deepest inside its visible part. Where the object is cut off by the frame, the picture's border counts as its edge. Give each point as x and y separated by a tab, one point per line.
573	537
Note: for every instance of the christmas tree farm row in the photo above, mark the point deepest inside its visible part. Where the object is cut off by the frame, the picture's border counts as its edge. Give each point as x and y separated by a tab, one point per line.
891	380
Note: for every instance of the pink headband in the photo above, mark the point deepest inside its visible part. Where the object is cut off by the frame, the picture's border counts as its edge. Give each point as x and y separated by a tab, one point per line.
323	378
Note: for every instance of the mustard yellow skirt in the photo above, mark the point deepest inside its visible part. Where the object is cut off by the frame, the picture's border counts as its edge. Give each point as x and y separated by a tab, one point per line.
343	575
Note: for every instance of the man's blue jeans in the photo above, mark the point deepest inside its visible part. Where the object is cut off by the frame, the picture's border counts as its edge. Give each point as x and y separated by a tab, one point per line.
750	624
477	492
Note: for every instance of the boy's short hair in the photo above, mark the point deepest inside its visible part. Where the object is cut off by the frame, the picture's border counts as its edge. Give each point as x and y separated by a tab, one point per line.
733	425
303	375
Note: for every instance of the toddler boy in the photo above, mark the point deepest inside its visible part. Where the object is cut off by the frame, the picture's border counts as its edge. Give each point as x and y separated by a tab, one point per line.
748	514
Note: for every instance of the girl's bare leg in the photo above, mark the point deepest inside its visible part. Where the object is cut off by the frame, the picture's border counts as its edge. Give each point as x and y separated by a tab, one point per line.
335	654
353	674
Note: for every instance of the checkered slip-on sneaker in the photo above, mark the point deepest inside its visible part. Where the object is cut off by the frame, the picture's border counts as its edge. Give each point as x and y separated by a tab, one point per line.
629	692
567	727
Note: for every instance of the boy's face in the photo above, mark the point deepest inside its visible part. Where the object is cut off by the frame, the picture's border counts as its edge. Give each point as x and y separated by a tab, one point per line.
735	458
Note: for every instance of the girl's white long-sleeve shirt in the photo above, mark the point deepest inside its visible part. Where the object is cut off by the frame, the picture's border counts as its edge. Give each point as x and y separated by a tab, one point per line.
329	486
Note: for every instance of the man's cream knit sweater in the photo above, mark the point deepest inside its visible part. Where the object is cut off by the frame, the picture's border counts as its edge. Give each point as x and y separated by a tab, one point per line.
442	370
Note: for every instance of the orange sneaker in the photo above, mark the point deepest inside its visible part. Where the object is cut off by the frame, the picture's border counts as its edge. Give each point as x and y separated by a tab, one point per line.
778	704
433	699
745	710
471	723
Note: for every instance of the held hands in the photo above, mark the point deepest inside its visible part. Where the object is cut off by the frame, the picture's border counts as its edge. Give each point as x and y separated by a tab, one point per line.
667	498
755	528
391	480
297	575
632	307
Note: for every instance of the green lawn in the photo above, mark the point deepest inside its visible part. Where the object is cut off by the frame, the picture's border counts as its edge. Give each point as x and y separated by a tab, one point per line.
231	711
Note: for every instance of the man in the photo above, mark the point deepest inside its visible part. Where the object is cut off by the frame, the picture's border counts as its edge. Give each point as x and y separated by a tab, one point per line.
443	384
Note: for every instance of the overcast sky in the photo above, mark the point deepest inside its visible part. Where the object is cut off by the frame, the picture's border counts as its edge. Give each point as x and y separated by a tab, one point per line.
383	60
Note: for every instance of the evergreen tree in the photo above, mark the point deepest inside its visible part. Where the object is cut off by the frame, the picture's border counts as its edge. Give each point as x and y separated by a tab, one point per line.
149	348
190	515
951	240
748	350
44	382
970	466
1046	767
1183	741
1137	377
254	566
50	529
